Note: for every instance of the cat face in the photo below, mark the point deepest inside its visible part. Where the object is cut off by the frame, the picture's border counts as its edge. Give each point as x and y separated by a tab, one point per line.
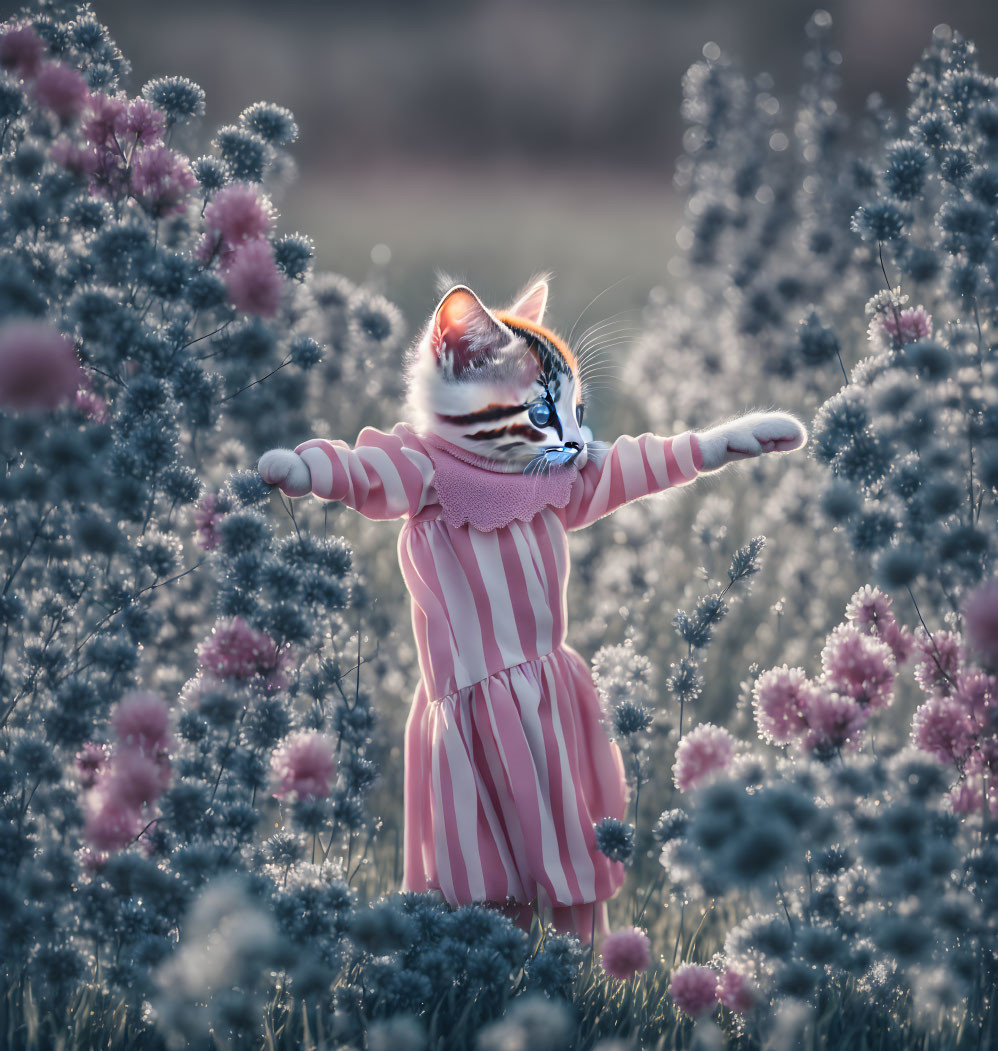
498	383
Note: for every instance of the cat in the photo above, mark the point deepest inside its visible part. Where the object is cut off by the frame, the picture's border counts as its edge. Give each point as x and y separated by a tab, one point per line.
507	764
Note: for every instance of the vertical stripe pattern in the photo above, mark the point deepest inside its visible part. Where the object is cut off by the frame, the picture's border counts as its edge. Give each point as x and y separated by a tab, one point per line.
507	764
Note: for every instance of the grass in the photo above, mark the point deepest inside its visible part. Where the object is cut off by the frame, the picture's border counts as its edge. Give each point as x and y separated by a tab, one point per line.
639	1011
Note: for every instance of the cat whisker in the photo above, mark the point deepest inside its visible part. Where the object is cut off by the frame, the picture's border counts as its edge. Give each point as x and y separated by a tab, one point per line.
537	465
591	302
599	350
605	333
601	370
617	318
597	361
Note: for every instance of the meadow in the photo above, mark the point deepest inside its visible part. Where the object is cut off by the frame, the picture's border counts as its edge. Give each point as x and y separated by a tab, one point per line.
205	685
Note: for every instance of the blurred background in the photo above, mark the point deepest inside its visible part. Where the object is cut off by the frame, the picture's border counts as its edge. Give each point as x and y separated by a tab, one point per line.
492	139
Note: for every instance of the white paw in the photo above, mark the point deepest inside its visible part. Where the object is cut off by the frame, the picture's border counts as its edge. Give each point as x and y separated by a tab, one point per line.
751	435
286	469
777	431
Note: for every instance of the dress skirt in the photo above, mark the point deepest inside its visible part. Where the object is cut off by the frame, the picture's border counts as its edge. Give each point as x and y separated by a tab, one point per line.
504	781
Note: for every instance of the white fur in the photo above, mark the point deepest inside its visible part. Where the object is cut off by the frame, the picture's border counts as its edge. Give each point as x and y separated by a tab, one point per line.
750	435
505	374
286	469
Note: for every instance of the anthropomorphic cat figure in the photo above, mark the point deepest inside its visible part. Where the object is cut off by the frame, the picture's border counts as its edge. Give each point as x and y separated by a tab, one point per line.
507	764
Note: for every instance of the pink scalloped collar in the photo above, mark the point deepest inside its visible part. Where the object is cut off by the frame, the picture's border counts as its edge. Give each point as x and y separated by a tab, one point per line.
478	492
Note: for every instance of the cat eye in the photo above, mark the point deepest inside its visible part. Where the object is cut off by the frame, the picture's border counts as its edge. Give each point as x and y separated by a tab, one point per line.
579	411
540	413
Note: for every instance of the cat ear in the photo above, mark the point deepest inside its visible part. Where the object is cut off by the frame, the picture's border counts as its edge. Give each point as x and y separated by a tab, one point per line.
531	302
464	330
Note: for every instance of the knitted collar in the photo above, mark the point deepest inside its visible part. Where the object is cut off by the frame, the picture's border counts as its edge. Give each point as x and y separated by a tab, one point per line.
480	492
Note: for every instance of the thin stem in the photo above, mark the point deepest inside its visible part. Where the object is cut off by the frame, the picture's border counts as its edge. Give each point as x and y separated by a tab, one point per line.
207	335
980	341
289	508
651	890
679	933
27	551
935	649
146	829
706	912
842	367
141	591
286	361
783	902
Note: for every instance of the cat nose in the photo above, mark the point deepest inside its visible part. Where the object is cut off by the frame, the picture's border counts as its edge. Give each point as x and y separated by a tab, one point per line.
573	445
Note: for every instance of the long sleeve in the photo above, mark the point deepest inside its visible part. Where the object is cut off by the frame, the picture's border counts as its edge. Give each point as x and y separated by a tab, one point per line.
382	476
634	467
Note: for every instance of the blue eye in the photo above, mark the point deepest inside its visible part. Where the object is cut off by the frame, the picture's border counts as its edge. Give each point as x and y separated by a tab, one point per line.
539	414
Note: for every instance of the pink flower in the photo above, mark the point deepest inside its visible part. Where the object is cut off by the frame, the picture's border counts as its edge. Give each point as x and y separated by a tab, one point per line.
869	606
978	693
941	661
206	518
910	324
870	610
142	122
236	214
984	759
112	824
143	720
236	651
900	640
965	798
303	766
93	406
693	989
735	991
980	618
91	761
135	778
21	50
833	720
61	90
161	180
92	860
253	279
779	699
102	120
859	666
704	752
39	368
943	728
625	952
136	775
78	159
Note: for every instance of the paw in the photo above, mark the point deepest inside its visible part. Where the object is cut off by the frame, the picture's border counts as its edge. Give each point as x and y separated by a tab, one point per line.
777	431
286	469
748	436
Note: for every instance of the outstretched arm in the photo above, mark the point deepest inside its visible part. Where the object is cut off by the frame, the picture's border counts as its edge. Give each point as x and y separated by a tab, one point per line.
634	467
637	467
383	476
748	436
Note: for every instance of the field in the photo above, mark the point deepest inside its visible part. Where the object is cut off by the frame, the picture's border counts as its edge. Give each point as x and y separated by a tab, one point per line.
205	678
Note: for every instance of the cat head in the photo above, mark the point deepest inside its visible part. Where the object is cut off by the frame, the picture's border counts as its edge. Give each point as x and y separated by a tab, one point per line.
497	383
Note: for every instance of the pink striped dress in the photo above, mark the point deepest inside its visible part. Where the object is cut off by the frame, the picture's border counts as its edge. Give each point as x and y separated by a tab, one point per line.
507	763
